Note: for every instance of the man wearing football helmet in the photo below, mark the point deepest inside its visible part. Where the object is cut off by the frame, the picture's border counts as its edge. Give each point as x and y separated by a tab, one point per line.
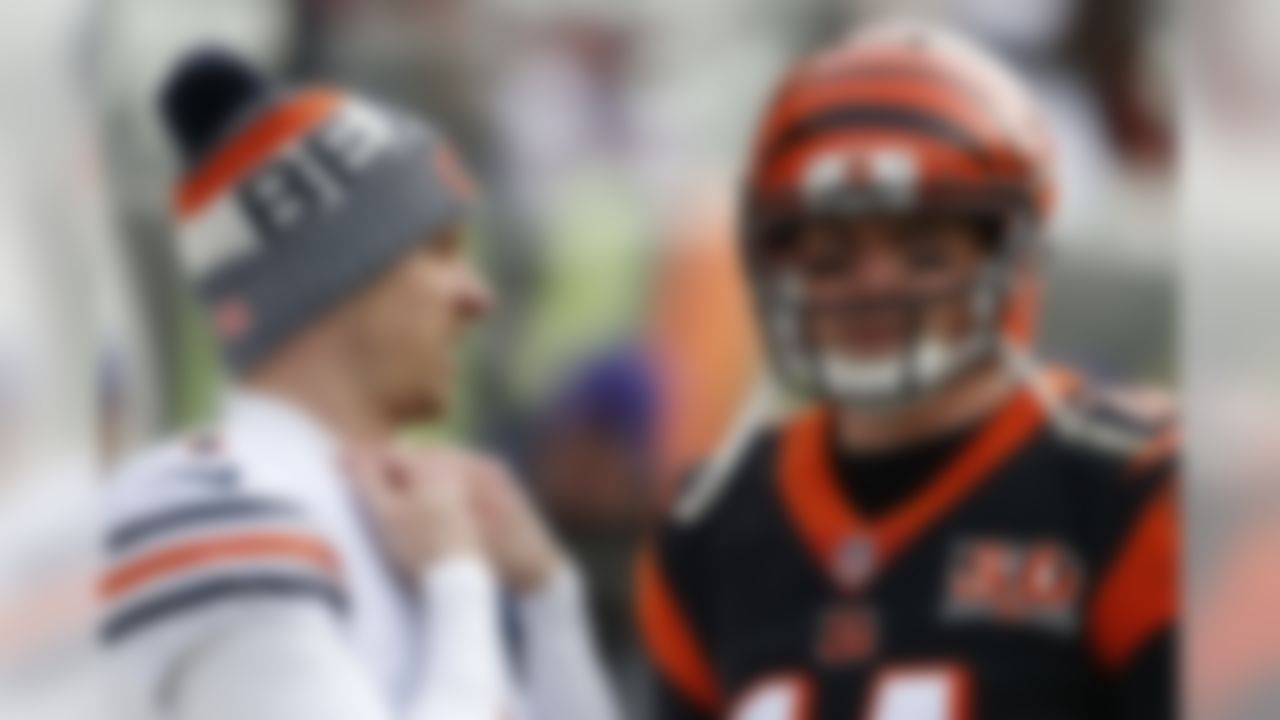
951	530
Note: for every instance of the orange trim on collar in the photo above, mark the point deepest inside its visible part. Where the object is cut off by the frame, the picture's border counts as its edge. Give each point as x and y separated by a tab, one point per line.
854	549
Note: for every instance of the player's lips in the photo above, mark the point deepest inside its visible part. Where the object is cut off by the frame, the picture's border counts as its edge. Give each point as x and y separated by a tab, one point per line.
866	334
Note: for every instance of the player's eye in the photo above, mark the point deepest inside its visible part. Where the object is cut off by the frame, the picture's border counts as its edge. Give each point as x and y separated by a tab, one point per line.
816	252
825	263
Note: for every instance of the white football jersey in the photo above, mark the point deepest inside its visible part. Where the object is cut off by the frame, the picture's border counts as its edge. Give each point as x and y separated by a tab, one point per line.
252	517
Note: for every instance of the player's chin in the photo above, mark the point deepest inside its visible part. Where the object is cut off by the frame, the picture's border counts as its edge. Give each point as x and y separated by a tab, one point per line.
428	398
425	405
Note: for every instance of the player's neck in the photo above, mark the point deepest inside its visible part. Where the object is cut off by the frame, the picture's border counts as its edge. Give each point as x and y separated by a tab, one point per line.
965	403
327	394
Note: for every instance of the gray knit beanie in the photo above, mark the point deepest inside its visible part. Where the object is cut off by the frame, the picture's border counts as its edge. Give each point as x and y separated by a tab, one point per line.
293	199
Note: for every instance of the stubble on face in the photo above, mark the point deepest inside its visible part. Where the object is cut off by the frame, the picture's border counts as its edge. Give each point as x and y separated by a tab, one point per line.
408	327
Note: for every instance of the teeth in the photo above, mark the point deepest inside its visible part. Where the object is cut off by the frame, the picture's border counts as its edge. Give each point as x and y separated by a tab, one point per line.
928	364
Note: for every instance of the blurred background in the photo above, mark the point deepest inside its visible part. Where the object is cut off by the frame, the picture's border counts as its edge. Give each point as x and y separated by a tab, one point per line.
609	138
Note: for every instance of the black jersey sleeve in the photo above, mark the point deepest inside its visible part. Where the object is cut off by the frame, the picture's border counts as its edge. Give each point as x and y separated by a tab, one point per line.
1147	688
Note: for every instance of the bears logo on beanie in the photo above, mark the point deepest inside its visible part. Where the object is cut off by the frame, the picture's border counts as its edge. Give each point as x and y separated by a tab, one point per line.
293	199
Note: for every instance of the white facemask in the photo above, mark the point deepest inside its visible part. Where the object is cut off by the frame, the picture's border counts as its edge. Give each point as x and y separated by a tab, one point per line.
889	383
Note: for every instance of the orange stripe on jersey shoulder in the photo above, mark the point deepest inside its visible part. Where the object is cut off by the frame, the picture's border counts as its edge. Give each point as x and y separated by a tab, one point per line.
201	552
669	638
1137	596
255	143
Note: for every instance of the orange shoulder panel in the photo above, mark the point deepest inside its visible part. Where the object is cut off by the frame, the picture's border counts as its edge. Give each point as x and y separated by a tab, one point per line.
1137	596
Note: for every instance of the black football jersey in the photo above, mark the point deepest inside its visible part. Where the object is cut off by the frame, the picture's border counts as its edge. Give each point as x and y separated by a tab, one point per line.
1032	577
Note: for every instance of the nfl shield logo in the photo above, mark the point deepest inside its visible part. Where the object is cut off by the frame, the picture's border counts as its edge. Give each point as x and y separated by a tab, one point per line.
855	560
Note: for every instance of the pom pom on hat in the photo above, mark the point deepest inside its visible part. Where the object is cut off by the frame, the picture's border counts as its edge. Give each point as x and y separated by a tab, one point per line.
205	96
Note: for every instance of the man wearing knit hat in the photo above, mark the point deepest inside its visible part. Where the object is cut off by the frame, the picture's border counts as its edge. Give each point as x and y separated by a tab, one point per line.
291	561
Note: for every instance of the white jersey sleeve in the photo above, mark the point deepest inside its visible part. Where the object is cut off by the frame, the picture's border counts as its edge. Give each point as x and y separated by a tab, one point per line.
221	601
287	664
564	675
191	554
294	666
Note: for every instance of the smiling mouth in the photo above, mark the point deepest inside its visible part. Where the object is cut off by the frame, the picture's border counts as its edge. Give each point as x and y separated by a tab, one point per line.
870	333
872	348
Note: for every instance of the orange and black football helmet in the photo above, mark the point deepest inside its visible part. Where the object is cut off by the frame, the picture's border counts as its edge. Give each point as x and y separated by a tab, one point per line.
907	119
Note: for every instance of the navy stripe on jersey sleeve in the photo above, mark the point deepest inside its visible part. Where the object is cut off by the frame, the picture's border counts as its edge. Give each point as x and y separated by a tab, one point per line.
221	511
188	599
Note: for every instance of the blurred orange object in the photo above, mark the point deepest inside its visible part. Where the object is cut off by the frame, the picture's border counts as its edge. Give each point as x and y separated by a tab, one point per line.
702	334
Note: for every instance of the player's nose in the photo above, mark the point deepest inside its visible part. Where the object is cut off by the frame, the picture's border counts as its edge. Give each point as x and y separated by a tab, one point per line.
873	269
476	298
